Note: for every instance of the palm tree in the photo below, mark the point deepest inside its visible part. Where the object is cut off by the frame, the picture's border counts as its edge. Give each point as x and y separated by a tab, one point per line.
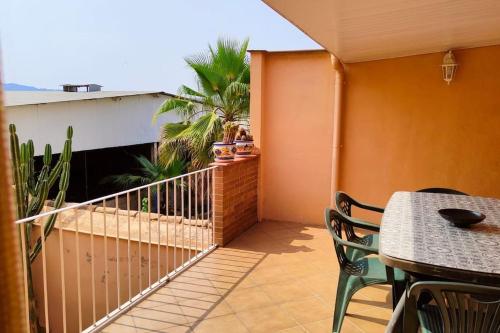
223	76
149	173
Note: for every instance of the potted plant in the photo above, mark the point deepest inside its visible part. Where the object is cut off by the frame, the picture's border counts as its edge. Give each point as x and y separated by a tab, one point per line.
244	143
223	77
226	149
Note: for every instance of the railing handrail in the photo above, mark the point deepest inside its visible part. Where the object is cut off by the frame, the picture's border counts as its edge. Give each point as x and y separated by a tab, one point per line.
109	196
133	251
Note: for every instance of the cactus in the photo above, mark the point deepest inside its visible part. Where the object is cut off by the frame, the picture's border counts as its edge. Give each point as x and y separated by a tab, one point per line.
32	190
230	130
243	135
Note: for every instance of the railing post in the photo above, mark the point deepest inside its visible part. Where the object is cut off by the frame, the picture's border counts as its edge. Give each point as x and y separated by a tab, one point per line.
91	219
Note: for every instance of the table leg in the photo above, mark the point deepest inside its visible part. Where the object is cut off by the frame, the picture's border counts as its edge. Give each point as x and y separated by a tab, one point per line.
398	289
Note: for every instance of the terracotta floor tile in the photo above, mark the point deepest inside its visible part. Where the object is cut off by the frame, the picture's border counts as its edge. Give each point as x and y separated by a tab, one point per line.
277	259
268	275
286	291
158	318
119	328
371	321
156	309
200	289
223	267
323	284
277	277
224	286
307	310
184	291
325	325
151	303
177	329
246	299
315	255
147	324
266	319
124	324
299	270
295	329
125	320
288	234
199	308
382	294
163	295
223	324
233	263
360	303
193	280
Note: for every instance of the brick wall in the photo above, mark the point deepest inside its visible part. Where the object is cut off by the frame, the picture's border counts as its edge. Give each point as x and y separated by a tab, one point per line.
235	204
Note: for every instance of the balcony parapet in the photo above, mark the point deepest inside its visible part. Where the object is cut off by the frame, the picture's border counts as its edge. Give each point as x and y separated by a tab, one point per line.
235	197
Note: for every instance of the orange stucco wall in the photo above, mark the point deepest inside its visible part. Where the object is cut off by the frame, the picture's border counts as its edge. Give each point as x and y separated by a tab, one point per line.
404	128
54	287
292	121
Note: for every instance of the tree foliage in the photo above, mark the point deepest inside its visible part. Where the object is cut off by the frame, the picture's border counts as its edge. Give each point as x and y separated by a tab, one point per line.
223	95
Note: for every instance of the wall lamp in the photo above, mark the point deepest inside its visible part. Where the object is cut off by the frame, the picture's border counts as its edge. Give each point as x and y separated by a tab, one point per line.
449	66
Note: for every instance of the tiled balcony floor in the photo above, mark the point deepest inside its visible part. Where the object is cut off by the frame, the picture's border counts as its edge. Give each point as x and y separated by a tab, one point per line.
277	277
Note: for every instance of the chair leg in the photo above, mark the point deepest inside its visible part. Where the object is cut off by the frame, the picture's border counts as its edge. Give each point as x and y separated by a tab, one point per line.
345	291
410	322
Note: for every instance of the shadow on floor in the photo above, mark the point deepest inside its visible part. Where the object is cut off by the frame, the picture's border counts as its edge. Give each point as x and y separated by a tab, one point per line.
276	276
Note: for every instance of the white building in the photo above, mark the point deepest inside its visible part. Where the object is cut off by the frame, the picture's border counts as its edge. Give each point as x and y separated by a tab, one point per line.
101	119
109	128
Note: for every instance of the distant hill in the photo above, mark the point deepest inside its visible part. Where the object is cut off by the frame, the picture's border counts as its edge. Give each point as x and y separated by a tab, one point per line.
21	87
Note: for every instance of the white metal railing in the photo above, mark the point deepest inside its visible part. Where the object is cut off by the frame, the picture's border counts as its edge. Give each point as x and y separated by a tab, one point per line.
107	254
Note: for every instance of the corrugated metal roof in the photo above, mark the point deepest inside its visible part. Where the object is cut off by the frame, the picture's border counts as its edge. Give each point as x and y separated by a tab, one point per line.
16	98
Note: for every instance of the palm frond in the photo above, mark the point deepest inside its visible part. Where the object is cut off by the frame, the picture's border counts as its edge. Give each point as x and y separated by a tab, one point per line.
223	76
237	99
190	93
204	130
182	107
126	180
149	173
173	144
210	79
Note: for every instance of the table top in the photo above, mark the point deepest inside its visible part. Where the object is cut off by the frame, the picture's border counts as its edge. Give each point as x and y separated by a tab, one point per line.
415	238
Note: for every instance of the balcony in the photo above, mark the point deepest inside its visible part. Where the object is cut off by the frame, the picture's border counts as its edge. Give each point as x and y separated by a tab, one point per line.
276	277
123	264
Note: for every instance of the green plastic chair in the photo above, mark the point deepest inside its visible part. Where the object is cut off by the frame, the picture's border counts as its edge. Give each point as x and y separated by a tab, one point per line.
344	204
456	308
354	275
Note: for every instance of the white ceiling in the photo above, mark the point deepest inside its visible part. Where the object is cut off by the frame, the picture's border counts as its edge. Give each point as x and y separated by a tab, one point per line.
362	30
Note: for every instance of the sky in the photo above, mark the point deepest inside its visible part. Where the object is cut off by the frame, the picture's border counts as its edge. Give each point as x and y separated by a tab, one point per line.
128	45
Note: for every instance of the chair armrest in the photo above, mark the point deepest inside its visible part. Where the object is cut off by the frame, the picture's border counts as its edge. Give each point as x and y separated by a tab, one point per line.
357	223
338	239
370	207
357	203
367	249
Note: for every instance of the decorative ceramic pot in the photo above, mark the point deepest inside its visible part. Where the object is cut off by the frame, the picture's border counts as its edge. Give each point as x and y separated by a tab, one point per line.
243	147
223	151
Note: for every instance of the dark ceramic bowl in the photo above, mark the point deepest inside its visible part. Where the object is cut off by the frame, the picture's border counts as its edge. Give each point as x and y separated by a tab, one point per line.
461	217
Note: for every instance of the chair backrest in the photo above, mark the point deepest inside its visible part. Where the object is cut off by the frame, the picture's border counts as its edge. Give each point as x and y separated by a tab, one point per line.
441	190
334	222
464	307
344	204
